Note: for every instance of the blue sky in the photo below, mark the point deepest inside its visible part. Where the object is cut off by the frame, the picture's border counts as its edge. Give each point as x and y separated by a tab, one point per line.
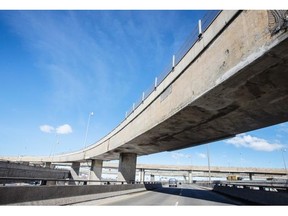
58	66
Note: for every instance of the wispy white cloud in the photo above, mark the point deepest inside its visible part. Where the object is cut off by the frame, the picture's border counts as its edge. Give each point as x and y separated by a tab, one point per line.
80	56
89	54
86	58
255	143
63	129
46	128
177	155
202	155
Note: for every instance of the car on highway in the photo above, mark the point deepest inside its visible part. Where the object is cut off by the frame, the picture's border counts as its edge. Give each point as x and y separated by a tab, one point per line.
172	182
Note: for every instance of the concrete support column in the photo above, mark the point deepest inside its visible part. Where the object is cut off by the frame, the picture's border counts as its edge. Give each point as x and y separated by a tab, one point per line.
142	175
127	167
250	176
48	164
190	178
95	171
152	177
185	178
75	169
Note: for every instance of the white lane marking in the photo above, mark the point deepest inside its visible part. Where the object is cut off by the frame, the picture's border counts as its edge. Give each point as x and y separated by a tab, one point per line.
176	204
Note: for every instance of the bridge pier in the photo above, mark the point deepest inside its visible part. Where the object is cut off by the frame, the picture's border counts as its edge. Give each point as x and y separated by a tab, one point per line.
75	169
127	167
95	171
142	175
48	164
250	176
152	177
190	178
50	183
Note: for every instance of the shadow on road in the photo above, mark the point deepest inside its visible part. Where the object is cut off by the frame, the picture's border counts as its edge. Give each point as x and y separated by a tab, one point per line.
198	194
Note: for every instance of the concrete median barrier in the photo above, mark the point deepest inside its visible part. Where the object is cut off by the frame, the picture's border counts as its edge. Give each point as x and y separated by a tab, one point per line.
258	197
63	195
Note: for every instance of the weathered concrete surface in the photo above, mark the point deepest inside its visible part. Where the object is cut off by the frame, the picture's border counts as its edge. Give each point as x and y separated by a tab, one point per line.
95	170
75	169
127	167
8	169
63	195
232	81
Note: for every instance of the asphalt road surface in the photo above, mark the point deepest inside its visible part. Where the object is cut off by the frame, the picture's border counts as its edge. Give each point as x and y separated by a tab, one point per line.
180	196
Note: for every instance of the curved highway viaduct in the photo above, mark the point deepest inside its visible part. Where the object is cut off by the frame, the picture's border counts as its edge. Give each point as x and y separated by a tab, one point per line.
233	80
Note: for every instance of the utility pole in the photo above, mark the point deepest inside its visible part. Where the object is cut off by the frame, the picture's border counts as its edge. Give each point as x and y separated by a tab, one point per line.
208	156
90	114
284	161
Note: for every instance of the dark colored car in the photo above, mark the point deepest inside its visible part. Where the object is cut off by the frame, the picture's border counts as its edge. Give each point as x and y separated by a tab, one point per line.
172	182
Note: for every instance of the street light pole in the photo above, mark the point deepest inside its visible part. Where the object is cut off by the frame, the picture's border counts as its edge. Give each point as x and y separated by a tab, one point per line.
190	175
208	156
54	146
284	161
90	114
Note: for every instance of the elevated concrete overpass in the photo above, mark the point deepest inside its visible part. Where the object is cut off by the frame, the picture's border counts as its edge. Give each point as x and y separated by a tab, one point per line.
215	169
232	80
188	171
143	171
193	171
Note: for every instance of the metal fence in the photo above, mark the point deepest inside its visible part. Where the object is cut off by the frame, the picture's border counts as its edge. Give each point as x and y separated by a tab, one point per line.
194	36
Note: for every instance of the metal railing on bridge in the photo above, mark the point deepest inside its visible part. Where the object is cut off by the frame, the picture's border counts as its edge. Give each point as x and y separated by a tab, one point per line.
194	36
